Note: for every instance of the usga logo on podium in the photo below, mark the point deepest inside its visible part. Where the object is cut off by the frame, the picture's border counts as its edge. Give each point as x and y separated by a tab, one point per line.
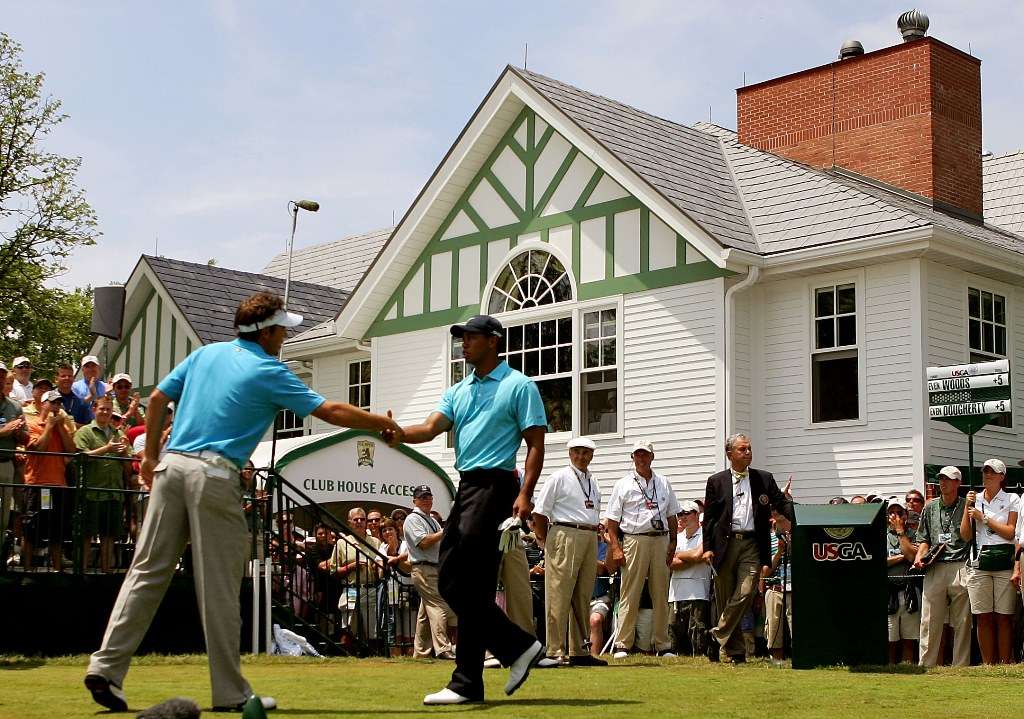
839	551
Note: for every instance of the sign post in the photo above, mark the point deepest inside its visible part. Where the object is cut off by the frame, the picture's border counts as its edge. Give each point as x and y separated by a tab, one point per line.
969	396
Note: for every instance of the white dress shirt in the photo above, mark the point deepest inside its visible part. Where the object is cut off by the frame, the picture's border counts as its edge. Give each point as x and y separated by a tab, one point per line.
635	502
742	503
570	495
21	392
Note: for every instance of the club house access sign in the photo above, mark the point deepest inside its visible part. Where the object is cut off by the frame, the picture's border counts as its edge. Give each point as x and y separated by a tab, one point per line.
969	390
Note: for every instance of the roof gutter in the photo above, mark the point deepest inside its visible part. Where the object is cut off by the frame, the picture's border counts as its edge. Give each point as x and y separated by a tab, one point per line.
753	273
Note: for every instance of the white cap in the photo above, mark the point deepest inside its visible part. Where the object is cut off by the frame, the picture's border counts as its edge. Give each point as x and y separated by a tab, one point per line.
122	376
951	473
584	442
996	465
688	505
51	396
20	360
895	501
643	444
3	367
280	317
90	358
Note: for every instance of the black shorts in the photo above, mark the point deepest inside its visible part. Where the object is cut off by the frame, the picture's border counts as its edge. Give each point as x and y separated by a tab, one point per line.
47	513
104	518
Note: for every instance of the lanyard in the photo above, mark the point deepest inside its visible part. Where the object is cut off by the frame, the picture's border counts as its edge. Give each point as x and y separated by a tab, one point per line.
949	522
579	479
430	521
654	489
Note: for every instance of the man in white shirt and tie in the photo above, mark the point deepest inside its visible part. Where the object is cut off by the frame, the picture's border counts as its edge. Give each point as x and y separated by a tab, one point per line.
644	507
737	538
565	519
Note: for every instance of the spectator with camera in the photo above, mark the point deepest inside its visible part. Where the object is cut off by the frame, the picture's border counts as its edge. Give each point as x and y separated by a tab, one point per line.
904	600
48	504
941	553
777	587
990	523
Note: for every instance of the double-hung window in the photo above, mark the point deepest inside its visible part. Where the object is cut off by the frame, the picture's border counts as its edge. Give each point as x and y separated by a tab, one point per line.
986	333
835	385
359	384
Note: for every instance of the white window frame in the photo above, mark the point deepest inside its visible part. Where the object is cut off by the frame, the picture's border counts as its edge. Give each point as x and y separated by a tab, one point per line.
857	279
305	425
575	309
984	284
360	384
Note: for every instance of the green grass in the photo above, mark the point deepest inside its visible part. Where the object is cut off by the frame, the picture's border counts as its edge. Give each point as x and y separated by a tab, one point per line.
638	687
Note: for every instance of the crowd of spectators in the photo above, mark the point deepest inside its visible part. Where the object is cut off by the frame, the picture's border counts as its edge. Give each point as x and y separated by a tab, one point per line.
58	435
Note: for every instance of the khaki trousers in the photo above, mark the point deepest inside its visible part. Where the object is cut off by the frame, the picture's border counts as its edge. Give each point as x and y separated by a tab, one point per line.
514	575
734	593
434	613
945	585
197	501
570	568
645	559
773	617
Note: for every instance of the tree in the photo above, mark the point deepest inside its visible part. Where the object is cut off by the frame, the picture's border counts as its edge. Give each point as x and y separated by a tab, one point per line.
44	217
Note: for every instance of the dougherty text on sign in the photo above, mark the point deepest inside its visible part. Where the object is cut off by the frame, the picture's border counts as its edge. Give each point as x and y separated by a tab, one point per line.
967	409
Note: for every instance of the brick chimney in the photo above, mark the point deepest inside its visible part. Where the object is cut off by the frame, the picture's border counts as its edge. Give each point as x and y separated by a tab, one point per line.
908	115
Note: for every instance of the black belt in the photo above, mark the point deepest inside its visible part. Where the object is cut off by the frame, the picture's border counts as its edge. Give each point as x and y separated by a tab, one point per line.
586	527
424	564
742	535
646	534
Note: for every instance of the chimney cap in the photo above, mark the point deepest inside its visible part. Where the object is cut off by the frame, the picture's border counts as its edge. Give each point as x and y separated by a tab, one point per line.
912	24
851	48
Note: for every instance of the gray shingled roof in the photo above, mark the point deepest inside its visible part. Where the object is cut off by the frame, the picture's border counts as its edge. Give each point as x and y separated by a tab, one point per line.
1003	182
684	164
208	296
339	264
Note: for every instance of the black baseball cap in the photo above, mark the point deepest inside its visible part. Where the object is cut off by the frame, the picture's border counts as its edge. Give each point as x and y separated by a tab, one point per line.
422	491
481	324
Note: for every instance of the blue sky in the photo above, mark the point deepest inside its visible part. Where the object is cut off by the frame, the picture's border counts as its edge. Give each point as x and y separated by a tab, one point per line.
198	121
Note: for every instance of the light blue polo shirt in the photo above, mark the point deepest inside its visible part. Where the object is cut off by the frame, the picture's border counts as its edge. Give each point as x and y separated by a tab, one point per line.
227	394
490	414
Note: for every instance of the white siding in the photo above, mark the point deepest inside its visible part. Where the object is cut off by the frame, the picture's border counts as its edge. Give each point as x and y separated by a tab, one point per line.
739	413
671	342
331	373
876	456
947	345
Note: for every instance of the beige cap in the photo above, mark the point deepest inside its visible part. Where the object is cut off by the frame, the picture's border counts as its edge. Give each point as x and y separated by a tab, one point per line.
643	444
996	465
122	376
951	473
51	396
20	360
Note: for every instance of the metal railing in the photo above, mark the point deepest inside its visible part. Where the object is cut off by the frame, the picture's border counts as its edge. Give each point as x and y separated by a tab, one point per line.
329	583
72	526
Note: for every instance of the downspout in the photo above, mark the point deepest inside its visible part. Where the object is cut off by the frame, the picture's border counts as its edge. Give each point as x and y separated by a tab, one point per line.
753	273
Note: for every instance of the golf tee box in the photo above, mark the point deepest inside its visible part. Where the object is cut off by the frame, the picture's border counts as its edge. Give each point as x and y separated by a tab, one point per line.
840	589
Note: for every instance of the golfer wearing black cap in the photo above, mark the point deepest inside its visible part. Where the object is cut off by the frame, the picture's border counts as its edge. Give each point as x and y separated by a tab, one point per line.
491	412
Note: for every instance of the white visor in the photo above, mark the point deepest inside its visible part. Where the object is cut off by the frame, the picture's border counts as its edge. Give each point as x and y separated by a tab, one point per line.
281	317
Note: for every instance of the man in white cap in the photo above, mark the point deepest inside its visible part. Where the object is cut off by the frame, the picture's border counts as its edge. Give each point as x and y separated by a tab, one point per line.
565	520
943	552
227	395
91	387
22	390
644	508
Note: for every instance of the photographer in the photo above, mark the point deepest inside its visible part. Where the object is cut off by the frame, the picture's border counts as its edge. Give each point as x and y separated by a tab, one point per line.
777	587
993	513
904	598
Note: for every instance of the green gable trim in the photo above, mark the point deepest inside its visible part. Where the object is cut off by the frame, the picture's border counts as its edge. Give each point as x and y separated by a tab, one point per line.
156	351
530	222
142	347
333	439
174	340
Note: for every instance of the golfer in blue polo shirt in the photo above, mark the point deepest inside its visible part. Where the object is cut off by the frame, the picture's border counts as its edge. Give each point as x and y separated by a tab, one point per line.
227	395
492	412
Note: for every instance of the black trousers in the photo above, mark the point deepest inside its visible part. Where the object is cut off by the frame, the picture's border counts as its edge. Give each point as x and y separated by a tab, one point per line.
468	577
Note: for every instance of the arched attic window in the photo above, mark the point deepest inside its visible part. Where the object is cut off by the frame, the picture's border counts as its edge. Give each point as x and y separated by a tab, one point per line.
530	279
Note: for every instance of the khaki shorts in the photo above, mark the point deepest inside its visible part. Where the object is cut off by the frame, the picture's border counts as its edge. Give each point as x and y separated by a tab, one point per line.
991	591
903	625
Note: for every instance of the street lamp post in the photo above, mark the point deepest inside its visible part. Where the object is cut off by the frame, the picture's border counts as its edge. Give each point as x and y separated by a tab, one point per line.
295	206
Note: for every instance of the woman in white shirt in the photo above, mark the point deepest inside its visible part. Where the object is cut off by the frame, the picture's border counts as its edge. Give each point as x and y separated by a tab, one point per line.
991	521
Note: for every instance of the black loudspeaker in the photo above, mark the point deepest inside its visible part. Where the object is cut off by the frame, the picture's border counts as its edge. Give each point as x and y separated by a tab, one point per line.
108	311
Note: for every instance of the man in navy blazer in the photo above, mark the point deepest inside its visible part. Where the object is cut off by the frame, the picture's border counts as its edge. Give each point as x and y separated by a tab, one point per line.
737	538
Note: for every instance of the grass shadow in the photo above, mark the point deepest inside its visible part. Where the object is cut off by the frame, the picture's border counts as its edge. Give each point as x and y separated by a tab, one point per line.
487	706
889	669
